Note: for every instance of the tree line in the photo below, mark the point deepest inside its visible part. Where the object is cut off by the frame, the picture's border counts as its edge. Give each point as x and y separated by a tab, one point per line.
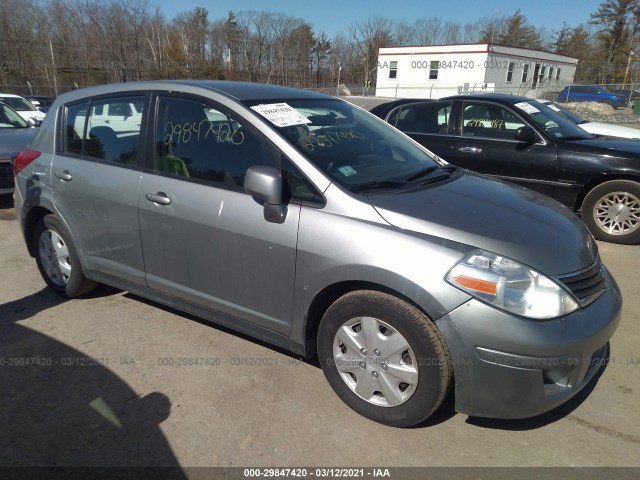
76	43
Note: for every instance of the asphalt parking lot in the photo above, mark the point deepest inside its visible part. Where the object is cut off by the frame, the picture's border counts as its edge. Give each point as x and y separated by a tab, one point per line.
107	380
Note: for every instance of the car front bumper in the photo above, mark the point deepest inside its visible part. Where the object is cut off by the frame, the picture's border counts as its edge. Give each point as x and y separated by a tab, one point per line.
511	367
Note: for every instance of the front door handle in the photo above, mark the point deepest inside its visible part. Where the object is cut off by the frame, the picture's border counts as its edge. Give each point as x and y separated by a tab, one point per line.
160	198
64	175
470	150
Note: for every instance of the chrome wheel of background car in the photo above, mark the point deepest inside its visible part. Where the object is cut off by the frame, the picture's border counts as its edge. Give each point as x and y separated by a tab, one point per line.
611	211
54	256
618	213
375	361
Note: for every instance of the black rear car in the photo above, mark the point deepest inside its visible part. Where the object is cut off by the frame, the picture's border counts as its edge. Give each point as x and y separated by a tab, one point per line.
523	141
384	108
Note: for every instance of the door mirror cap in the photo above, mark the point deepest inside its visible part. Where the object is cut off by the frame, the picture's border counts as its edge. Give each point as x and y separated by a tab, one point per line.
264	184
526	134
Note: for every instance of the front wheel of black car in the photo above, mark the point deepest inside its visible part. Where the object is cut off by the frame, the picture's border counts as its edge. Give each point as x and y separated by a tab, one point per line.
57	259
611	211
384	358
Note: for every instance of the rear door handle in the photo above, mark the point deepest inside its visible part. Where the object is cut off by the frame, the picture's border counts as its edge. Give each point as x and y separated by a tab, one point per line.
470	150
160	198
41	170
64	175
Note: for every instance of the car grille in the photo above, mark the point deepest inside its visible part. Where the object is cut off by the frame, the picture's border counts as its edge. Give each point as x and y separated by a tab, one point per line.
586	285
6	173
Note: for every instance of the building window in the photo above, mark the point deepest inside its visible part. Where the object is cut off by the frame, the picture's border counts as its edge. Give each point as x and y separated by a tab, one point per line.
393	69
558	74
525	72
433	69
550	73
543	72
510	72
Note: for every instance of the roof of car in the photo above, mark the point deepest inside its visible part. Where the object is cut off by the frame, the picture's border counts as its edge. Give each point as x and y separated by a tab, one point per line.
384	108
496	97
240	91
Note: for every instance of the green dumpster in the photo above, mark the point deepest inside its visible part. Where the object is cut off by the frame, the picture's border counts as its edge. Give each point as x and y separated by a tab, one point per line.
636	107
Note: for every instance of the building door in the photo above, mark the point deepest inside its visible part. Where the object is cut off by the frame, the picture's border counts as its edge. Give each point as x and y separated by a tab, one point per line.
536	72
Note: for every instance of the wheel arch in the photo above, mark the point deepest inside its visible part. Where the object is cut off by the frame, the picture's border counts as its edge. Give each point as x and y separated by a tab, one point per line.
32	218
328	295
599	181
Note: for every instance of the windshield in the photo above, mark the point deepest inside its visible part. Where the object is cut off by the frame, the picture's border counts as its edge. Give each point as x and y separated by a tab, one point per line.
10	119
551	122
351	146
19	104
566	113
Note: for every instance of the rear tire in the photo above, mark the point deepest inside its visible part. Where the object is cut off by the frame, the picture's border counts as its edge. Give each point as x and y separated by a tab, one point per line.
611	211
384	358
57	259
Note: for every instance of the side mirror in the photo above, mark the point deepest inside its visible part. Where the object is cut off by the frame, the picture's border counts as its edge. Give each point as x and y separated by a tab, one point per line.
526	134
265	185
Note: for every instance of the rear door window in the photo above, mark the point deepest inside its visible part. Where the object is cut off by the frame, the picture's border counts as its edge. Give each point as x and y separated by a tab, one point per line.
74	127
426	118
90	133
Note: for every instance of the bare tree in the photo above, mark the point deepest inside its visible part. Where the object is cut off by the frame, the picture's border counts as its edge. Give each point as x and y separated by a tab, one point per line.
366	38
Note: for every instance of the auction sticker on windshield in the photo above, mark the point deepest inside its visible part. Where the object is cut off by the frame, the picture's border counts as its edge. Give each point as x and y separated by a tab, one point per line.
527	107
281	114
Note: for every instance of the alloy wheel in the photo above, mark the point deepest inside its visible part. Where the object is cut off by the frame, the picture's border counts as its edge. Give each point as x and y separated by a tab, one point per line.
617	213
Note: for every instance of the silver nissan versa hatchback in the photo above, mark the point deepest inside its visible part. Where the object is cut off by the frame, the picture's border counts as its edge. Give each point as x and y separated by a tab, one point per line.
305	222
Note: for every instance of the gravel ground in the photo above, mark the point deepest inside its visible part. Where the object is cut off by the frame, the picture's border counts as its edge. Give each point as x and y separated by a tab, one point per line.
598	112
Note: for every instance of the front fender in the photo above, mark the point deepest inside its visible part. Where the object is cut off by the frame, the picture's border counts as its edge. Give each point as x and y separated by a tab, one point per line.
333	249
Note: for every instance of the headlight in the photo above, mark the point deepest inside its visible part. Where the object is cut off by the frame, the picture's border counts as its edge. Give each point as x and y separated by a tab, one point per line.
511	286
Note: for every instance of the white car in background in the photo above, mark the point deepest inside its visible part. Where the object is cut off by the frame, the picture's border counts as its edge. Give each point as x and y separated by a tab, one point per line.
594	128
124	118
24	108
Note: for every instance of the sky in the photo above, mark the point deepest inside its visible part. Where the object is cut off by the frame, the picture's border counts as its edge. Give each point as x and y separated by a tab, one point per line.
335	16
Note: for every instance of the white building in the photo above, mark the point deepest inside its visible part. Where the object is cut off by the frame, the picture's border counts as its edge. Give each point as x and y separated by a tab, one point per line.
440	70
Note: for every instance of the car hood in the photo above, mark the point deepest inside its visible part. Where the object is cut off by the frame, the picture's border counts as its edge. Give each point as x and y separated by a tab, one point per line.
598	128
35	114
495	216
12	140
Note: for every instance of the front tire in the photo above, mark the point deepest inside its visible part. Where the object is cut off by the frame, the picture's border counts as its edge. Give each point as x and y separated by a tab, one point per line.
57	259
611	211
384	358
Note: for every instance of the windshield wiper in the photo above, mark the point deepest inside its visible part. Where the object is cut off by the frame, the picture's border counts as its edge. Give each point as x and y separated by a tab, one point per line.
426	171
381	184
378	184
421	173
